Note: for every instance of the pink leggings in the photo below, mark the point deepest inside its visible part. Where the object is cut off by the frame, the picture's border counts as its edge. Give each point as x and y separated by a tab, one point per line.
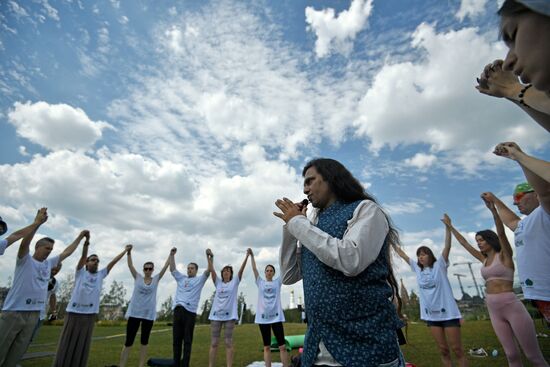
510	318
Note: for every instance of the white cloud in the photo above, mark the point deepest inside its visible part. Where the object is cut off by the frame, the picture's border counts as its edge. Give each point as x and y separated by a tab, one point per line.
471	8
123	20
433	101
411	207
55	126
49	10
23	150
337	32
422	161
19	11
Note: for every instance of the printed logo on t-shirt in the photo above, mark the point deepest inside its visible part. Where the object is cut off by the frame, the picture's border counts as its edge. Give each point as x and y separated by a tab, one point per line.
82	305
269	316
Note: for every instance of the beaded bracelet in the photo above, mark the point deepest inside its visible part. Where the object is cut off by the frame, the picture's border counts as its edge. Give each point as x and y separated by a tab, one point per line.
522	93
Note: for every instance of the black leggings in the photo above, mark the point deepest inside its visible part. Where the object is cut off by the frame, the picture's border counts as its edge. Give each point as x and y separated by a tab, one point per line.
278	331
132	328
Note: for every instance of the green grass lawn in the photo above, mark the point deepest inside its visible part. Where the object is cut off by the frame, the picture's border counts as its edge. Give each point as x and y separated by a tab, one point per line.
421	349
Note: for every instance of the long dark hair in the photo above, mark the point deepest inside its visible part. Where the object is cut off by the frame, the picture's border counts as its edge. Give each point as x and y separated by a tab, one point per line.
491	238
348	189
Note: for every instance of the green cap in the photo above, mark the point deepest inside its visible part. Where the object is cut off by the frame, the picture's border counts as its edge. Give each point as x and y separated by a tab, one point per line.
523	187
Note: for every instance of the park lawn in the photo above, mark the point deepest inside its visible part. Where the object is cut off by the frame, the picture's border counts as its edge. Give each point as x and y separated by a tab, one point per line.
421	349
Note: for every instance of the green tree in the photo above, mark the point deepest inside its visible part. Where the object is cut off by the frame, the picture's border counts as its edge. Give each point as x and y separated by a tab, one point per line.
206	307
64	293
166	312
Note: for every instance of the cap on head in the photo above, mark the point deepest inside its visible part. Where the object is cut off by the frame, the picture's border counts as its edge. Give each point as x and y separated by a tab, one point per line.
523	187
3	226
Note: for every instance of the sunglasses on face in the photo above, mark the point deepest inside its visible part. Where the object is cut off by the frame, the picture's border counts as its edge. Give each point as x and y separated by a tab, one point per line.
147	269
519	196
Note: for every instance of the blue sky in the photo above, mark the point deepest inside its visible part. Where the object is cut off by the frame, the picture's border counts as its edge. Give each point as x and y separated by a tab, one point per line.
167	123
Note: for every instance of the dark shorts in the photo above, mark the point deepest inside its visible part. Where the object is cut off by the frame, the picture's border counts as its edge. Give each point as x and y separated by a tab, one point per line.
444	324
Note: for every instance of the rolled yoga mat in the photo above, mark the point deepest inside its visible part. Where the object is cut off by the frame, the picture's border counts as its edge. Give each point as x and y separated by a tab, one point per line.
291	342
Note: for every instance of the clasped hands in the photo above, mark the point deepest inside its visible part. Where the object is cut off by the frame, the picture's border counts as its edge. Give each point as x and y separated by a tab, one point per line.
289	209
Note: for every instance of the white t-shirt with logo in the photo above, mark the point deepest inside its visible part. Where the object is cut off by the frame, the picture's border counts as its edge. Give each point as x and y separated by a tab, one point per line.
225	301
188	292
437	302
86	291
532	240
269	308
3	246
143	304
30	284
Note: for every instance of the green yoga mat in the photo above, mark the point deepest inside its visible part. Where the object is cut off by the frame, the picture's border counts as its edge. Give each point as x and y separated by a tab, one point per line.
291	342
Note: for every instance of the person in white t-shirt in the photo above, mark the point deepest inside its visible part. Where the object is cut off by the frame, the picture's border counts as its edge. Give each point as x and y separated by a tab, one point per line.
27	296
224	308
143	307
269	313
76	337
437	304
532	232
186	303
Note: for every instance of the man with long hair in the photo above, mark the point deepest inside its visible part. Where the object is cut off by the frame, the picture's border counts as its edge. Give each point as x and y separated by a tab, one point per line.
341	251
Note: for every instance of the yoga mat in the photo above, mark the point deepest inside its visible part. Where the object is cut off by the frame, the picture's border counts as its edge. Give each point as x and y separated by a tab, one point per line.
291	342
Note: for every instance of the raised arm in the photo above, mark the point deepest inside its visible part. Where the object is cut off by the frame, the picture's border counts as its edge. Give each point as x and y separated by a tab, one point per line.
508	217
533	169
447	247
243	265
131	264
401	253
460	238
496	82
72	247
41	218
253	262
84	255
210	258
172	259
504	243
118	257
20	233
167	263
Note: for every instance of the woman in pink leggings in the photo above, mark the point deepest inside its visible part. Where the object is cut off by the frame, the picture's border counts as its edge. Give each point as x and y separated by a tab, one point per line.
508	315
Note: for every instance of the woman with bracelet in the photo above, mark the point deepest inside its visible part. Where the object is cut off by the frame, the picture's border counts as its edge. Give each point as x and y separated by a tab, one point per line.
437	303
509	317
224	308
269	313
525	28
143	307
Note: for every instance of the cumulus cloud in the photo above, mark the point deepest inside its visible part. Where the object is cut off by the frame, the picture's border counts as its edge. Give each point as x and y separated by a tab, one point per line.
411	207
471	8
422	161
55	126
433	101
337	32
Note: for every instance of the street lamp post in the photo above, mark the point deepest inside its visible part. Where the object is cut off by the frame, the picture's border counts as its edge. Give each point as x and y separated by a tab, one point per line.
473	276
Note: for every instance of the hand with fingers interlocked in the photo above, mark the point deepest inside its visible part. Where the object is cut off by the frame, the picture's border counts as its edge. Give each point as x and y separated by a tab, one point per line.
289	209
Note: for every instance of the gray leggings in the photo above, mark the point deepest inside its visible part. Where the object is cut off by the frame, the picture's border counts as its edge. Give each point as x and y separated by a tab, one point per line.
216	329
